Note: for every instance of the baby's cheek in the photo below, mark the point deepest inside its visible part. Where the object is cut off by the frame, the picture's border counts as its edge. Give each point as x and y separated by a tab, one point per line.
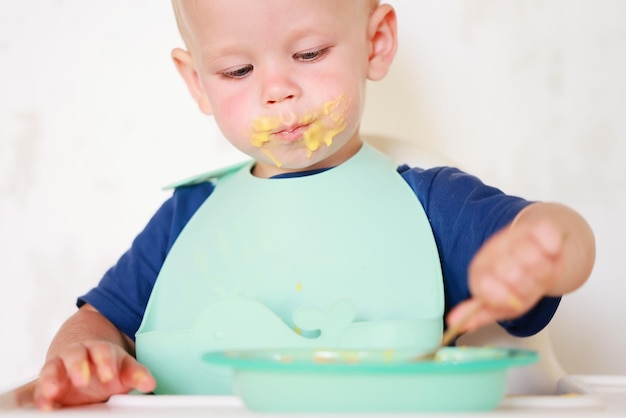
232	116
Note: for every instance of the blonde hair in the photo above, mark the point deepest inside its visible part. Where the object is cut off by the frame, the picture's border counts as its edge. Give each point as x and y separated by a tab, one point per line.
182	25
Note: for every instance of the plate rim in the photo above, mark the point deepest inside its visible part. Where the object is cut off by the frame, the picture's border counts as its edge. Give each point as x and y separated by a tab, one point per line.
248	360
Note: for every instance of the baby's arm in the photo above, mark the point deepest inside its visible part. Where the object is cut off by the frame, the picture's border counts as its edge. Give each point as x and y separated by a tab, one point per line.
89	360
548	250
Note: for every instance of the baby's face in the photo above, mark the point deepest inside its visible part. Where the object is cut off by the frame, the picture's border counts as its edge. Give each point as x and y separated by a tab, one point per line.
285	79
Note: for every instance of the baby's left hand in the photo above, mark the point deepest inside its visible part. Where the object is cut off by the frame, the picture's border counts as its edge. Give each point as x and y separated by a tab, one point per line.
511	272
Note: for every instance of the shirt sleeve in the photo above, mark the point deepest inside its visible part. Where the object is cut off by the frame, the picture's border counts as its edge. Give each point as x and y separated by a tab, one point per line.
123	292
464	213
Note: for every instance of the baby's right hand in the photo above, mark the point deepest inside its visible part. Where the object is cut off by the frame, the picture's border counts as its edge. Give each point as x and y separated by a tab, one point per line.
89	372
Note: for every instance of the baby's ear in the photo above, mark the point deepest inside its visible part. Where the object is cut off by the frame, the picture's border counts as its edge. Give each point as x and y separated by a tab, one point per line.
383	39
187	69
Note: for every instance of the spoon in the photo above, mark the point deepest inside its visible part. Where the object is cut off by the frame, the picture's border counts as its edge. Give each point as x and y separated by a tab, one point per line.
451	333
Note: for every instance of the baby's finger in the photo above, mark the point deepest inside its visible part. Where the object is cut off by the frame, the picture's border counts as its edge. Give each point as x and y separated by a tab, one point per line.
530	271
469	317
136	376
549	237
52	380
78	366
499	296
104	359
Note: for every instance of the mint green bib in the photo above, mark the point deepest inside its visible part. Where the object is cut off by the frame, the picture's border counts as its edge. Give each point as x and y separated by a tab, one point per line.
345	258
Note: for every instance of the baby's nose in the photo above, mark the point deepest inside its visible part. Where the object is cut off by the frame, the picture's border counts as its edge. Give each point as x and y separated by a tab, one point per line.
279	87
278	97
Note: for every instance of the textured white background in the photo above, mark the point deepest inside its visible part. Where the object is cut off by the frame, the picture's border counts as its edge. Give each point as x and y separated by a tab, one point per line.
528	95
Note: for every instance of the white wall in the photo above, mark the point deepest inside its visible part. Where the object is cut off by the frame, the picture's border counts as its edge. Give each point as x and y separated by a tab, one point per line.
528	95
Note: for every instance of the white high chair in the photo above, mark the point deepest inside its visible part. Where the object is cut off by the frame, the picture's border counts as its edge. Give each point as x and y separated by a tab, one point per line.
538	379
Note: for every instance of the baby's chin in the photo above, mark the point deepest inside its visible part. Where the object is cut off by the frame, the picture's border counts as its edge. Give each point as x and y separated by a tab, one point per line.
273	163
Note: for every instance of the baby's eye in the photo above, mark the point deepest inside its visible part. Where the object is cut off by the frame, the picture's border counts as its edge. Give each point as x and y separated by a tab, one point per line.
311	56
236	73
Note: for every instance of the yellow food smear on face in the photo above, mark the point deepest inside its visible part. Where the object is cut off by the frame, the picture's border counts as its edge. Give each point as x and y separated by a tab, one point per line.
271	157
263	127
318	134
299	287
315	135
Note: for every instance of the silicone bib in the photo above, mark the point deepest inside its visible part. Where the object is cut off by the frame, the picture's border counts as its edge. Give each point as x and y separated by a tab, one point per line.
343	258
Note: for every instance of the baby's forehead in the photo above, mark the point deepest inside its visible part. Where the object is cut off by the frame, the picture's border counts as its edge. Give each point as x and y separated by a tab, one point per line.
192	14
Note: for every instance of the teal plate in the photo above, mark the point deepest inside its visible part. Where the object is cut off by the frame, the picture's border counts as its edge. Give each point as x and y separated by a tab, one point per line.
300	380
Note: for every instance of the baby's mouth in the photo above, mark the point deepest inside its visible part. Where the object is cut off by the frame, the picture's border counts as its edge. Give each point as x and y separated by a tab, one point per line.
315	128
292	133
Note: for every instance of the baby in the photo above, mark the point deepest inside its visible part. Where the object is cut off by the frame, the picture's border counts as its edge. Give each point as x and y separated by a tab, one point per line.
316	218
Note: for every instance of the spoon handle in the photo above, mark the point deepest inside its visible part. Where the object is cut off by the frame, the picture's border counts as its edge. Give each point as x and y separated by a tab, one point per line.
453	331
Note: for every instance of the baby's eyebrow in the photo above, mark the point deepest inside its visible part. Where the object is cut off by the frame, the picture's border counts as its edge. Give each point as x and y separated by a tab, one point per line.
311	31
212	54
224	49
